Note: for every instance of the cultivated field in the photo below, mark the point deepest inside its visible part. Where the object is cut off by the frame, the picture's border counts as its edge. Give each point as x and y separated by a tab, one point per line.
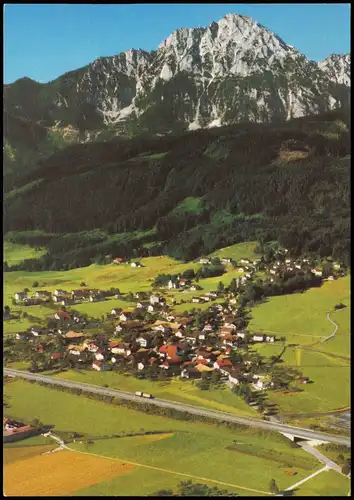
181	452
13	454
60	473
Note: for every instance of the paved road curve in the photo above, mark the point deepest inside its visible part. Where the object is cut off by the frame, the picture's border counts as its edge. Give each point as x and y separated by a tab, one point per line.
196	410
334	331
322	458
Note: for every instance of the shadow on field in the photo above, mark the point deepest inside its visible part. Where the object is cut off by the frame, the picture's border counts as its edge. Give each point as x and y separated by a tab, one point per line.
289	493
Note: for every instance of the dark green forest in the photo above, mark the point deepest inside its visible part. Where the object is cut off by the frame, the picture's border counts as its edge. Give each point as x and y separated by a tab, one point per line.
186	195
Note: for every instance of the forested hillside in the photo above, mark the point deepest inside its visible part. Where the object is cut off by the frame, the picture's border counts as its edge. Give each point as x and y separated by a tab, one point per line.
188	194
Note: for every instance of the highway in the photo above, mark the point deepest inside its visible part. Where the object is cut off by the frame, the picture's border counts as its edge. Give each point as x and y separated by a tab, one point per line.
195	410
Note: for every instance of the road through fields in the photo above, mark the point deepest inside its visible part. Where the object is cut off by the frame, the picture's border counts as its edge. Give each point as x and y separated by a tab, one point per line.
223	416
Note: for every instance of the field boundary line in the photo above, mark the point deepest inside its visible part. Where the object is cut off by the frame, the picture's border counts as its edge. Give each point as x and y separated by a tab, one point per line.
169	471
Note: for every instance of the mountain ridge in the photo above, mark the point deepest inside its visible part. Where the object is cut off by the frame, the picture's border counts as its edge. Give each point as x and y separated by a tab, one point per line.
127	85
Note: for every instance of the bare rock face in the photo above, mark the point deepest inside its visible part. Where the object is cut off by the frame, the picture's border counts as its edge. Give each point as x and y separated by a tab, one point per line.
233	70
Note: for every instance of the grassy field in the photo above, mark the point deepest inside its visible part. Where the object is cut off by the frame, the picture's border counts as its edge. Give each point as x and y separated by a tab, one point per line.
238	251
14	253
122	276
185	450
301	317
327	484
324	394
175	390
333	455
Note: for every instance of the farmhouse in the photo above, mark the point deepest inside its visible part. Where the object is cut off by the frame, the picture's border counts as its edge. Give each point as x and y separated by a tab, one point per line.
20	295
204	261
59	292
61	315
97	297
226	260
136	264
118	260
99	366
262	382
43	294
258	338
71	335
80	294
125	315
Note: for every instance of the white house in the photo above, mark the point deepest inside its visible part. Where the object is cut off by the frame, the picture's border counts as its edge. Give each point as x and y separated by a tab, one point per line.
143	342
59	292
226	260
258	338
287	261
193	288
204	261
154	299
270	339
245	261
316	272
179	334
336	265
118	328
207	328
114	312
240	269
272	271
233	378
99	356
298	266
196	299
141	366
171	284
20	295
262	382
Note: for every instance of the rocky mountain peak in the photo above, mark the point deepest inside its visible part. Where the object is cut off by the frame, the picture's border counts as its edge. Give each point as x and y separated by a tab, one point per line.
231	70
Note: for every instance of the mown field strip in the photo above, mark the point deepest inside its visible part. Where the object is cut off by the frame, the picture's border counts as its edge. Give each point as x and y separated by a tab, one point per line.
237	486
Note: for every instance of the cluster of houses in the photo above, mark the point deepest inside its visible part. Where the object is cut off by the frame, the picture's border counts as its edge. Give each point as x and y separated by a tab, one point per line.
119	261
172	342
60	297
177	345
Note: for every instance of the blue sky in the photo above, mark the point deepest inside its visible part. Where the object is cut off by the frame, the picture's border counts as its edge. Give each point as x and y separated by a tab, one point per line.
44	41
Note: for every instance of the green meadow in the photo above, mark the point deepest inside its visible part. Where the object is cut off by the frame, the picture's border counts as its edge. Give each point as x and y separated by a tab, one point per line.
327	484
301	317
121	276
14	253
176	389
243	458
329	391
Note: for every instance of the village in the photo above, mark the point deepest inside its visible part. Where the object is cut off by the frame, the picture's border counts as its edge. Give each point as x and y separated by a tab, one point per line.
152	341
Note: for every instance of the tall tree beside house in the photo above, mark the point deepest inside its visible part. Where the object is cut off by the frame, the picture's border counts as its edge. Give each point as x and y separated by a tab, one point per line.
221	287
7	310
